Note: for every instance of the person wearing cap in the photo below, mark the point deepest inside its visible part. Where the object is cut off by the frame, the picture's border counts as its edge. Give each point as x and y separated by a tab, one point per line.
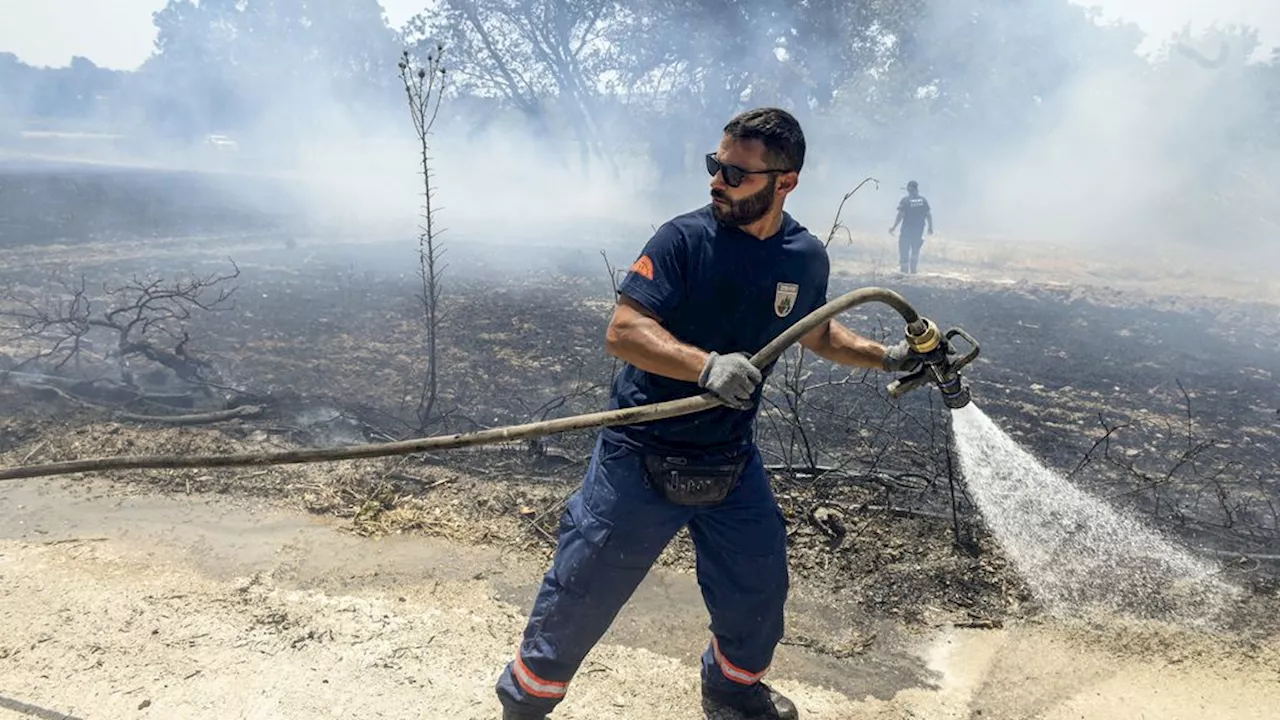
913	214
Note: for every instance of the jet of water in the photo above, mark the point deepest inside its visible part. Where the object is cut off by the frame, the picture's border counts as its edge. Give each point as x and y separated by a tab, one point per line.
1078	554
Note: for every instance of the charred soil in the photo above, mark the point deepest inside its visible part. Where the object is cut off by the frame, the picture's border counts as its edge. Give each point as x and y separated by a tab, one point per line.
1166	404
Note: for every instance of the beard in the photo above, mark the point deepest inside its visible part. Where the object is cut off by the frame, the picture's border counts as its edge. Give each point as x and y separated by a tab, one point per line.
744	211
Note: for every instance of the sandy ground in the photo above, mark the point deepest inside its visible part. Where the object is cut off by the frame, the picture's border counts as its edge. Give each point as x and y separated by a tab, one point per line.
117	605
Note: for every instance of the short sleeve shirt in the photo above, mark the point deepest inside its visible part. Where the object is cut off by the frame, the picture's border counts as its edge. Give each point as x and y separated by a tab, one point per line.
720	289
914	211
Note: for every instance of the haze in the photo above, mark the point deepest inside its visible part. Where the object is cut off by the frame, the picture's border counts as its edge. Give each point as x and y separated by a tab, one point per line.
1034	123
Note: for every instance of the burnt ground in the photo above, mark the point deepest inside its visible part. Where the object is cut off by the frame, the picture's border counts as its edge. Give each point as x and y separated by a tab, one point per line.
1165	403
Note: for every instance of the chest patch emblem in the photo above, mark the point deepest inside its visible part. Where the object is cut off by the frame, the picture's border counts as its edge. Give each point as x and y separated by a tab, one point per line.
784	299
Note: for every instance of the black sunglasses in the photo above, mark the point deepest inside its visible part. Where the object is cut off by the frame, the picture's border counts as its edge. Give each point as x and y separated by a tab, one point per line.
734	175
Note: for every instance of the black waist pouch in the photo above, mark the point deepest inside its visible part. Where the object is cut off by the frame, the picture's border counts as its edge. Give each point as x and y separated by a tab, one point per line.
685	482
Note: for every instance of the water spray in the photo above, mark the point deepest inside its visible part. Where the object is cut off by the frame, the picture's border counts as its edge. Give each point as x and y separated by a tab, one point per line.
921	333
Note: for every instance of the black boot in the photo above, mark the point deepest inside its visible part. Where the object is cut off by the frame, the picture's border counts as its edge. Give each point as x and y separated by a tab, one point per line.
759	702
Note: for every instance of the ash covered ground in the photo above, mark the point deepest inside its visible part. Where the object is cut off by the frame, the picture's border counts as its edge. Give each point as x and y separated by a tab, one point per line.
1164	401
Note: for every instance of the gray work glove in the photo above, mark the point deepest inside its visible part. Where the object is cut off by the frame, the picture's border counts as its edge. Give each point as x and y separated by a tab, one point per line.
901	358
731	378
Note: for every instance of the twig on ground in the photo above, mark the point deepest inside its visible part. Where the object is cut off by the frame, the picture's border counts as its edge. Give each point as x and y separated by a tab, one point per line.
205	418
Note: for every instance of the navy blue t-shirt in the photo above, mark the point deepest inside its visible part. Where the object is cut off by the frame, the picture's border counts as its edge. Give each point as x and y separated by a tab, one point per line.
915	210
719	289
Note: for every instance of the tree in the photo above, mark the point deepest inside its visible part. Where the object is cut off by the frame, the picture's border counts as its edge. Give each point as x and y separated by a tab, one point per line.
79	92
546	58
1210	100
682	61
270	66
985	70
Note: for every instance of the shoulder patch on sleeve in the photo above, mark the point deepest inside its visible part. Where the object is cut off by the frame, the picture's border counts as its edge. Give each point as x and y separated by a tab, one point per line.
643	267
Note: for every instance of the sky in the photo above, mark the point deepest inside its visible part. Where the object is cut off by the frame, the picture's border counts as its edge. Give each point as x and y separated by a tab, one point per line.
118	33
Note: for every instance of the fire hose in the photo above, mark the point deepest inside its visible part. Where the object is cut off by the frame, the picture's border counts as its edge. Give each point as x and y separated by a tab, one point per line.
933	348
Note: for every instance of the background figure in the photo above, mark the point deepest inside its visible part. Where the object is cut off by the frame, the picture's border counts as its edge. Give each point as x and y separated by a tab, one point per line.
913	215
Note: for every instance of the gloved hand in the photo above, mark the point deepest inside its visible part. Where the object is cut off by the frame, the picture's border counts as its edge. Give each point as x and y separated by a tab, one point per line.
901	358
731	378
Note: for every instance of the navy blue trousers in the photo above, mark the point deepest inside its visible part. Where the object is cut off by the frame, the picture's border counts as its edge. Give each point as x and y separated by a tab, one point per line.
611	532
909	245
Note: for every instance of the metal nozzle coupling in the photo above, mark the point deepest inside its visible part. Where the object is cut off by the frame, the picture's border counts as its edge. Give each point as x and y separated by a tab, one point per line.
923	336
955	391
939	365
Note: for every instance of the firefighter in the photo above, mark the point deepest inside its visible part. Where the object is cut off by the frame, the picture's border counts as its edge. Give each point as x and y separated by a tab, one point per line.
710	288
913	214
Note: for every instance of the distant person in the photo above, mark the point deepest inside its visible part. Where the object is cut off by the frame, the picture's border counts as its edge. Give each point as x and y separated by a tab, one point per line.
913	215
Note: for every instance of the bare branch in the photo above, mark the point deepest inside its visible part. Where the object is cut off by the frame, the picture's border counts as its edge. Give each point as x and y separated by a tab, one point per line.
424	90
144	318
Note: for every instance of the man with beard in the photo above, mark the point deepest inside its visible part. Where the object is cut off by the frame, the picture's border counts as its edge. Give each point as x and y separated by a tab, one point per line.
710	288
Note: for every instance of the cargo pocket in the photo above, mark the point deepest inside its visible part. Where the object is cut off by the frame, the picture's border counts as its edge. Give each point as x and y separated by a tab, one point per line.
581	554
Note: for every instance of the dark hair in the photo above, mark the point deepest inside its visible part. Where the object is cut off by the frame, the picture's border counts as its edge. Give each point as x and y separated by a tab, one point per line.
777	129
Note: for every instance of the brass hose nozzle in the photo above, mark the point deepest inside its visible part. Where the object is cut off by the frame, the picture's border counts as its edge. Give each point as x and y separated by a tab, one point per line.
923	339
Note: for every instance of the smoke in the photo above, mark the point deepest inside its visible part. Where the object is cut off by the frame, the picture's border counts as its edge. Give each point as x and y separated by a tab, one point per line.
1165	18
1139	159
498	179
1093	146
1028	121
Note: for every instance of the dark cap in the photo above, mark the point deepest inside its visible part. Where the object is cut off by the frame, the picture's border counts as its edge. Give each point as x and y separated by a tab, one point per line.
912	185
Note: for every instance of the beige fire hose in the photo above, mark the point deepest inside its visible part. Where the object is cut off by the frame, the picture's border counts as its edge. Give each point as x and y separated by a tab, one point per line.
624	416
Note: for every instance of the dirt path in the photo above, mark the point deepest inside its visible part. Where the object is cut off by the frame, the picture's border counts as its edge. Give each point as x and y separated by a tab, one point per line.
131	606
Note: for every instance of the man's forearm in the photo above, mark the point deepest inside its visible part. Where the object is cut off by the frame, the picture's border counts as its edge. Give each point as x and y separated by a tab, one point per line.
650	347
842	345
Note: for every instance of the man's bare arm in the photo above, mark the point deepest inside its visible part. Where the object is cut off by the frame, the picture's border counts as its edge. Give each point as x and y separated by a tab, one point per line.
897	219
839	344
635	336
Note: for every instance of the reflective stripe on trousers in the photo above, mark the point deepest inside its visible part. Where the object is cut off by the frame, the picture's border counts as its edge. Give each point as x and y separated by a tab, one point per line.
612	531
